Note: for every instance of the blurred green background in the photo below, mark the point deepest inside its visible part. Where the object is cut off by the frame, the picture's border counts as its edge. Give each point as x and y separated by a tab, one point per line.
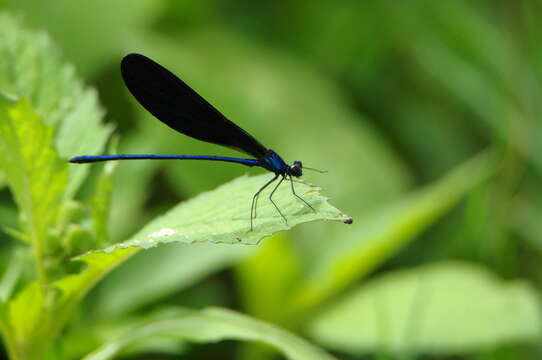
426	115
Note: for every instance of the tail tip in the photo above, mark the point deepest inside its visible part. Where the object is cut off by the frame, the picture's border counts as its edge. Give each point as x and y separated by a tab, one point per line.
75	160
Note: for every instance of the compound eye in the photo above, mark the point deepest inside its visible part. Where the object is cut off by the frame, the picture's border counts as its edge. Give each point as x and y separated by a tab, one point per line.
296	169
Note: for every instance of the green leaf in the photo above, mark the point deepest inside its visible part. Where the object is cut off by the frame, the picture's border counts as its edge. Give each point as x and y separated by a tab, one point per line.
81	132
444	308
33	68
34	172
74	287
212	325
11	275
223	215
380	236
25	323
35	316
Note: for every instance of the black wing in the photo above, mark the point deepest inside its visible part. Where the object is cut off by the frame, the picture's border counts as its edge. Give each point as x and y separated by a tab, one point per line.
174	103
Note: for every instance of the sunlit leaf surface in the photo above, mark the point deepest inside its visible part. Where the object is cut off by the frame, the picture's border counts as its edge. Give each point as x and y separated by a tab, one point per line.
223	215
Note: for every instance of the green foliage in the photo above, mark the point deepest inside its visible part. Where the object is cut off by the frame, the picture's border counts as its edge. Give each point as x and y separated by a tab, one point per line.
292	294
211	325
90	36
389	229
53	224
33	69
424	310
425	113
36	175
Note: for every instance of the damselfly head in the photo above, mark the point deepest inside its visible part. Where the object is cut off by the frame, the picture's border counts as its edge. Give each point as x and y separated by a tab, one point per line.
296	169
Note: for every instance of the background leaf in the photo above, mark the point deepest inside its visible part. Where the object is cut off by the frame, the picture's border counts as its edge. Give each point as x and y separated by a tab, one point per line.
33	69
382	234
214	324
442	308
89	36
35	174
